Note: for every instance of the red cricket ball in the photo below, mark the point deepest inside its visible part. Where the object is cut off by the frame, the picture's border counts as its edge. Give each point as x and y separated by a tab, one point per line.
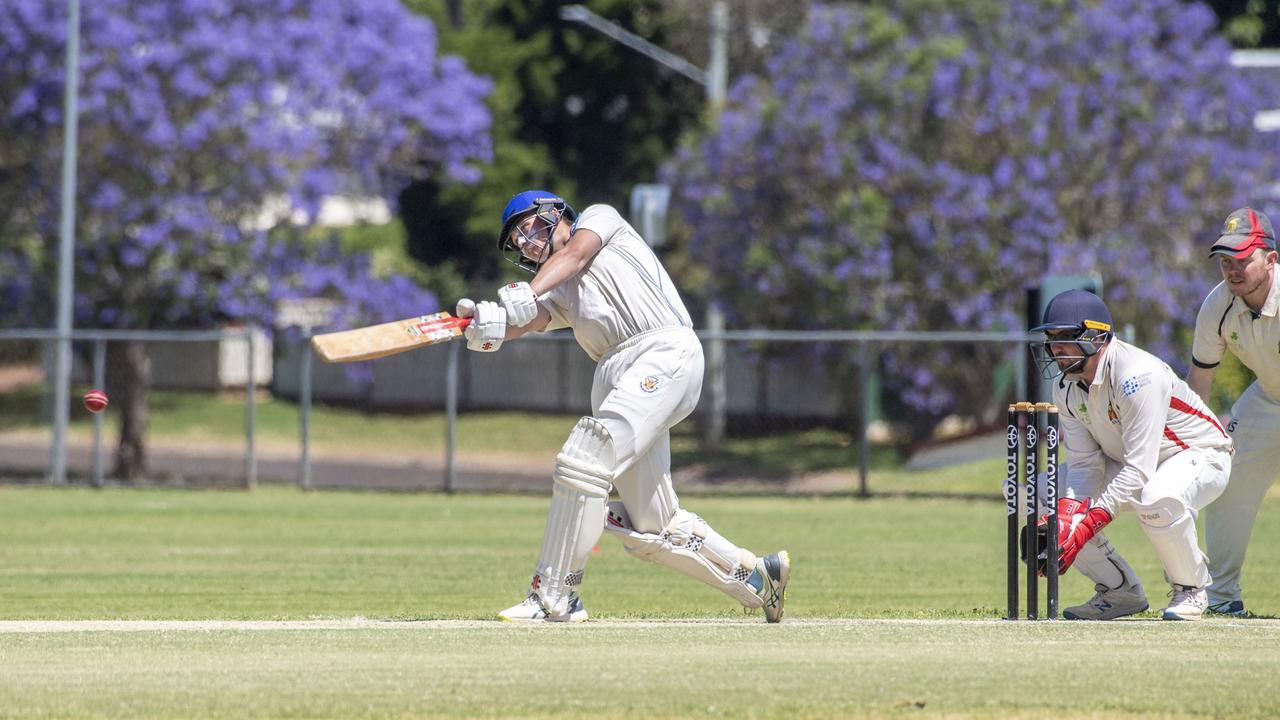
95	401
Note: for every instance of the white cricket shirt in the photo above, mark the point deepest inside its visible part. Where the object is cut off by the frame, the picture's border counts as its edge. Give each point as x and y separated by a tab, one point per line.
1225	321
1136	412
623	292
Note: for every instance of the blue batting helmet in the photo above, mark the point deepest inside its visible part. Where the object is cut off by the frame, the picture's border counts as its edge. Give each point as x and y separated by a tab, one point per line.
547	205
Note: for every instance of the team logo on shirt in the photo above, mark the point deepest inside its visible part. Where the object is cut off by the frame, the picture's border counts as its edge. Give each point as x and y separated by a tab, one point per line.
1234	341
1132	385
1083	410
649	383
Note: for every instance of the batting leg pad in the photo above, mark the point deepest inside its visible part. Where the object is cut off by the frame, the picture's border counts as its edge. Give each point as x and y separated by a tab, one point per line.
583	478
1171	527
689	546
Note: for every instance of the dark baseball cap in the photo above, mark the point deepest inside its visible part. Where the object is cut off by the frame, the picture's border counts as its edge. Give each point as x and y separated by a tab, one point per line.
1244	231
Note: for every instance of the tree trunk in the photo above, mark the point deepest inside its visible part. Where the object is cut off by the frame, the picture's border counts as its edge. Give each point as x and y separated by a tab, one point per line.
128	380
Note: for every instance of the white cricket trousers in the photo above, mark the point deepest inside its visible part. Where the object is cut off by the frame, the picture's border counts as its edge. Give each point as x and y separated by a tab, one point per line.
1228	521
1187	482
641	389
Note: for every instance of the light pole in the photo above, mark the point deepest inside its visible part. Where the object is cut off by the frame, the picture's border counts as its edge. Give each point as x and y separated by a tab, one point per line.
715	80
66	249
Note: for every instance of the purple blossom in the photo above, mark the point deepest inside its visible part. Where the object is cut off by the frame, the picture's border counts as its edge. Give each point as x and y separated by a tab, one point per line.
193	115
955	154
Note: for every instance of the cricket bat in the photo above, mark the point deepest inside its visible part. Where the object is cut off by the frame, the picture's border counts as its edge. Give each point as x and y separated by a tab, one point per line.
378	341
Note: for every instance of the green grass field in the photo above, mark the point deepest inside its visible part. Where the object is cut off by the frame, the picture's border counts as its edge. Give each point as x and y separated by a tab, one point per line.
343	605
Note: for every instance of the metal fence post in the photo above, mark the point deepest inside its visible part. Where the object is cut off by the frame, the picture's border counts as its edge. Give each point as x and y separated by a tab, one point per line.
304	411
1020	361
713	428
451	415
99	381
250	455
864	418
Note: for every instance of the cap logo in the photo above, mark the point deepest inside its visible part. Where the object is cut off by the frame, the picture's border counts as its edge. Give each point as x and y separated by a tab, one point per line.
1095	325
1232	224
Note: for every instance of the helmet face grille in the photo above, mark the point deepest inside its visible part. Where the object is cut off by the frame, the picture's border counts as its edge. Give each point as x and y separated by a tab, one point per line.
546	218
1058	345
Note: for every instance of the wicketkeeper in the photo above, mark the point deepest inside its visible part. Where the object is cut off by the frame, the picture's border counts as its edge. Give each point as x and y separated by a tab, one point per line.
1136	438
1241	314
595	274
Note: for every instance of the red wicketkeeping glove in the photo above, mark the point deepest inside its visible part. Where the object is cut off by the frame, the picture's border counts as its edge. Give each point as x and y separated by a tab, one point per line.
1077	524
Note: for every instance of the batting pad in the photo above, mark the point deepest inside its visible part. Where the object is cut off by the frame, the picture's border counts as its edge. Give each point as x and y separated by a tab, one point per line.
576	519
689	546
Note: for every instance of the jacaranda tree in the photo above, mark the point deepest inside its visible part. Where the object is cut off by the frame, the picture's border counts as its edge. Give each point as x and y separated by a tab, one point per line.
918	164
204	125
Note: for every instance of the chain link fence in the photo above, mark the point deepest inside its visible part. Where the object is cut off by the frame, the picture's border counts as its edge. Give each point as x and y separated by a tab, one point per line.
822	412
206	364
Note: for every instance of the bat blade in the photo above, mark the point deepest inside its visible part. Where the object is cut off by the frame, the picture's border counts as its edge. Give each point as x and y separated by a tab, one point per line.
378	341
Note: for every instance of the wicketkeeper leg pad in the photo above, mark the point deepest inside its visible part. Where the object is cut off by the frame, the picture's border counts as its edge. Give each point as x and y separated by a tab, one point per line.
583	478
1171	527
689	546
1100	562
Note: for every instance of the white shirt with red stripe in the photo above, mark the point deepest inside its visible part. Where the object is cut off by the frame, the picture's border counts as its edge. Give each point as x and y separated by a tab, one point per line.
1138	413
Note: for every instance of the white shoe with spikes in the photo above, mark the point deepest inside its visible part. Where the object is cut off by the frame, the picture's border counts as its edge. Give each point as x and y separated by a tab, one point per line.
531	610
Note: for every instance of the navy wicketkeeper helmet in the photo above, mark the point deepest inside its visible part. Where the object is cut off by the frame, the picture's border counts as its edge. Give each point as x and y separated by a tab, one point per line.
1075	315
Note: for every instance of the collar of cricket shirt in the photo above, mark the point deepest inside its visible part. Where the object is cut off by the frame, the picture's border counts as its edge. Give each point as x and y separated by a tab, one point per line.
1105	363
1272	304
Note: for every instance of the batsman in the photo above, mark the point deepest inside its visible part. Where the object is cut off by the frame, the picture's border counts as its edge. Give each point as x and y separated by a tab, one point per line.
1138	439
595	274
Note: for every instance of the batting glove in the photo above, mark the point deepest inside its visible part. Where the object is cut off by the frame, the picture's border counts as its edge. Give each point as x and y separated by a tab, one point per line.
488	326
519	302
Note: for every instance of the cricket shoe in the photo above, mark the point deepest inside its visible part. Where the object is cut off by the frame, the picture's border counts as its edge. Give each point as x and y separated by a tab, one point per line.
1186	603
770	582
1234	608
531	610
1109	604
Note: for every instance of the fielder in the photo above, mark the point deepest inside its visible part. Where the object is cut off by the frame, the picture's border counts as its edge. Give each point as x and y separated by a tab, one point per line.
1240	314
1136	438
595	274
